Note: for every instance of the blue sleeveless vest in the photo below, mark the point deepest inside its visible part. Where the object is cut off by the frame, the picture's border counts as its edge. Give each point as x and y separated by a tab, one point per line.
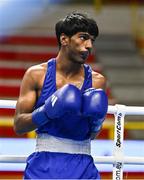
69	126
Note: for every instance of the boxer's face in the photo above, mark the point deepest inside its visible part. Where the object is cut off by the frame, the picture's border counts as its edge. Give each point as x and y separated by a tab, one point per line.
79	46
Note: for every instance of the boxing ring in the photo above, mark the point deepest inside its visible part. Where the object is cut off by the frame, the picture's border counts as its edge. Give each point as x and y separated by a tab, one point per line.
118	159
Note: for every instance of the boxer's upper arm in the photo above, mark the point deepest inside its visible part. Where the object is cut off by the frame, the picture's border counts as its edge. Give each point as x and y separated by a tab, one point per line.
27	96
98	81
25	103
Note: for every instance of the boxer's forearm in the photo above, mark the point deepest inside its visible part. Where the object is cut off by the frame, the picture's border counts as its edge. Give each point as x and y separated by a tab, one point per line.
23	123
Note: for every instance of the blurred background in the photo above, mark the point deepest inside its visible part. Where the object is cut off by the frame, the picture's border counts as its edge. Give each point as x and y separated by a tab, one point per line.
27	37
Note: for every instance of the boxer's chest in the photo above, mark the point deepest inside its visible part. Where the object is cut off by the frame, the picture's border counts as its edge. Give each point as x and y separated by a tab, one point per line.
76	80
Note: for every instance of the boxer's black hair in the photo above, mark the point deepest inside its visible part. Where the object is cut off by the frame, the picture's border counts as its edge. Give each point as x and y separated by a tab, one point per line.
76	22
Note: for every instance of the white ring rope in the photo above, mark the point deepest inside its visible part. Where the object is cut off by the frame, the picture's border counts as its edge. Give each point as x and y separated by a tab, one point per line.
118	159
130	110
9	104
97	159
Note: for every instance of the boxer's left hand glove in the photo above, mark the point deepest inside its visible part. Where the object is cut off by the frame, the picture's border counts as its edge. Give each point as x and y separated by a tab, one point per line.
95	105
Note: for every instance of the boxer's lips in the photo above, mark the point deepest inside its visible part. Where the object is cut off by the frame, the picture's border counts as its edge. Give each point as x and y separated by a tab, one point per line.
84	54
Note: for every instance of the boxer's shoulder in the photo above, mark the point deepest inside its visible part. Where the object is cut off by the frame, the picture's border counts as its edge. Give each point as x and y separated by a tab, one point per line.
98	80
36	73
37	70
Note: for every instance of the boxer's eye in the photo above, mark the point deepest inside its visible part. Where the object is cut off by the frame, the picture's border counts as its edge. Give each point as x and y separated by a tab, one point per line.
83	37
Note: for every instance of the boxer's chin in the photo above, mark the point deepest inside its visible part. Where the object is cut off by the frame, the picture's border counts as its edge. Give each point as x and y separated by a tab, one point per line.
81	59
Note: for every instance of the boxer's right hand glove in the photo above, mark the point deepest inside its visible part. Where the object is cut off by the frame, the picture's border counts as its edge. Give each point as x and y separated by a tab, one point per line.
95	105
65	99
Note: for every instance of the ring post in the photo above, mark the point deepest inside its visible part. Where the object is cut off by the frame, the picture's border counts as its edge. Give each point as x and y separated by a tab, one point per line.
118	142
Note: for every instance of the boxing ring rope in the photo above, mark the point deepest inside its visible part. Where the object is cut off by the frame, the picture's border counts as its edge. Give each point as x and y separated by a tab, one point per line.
118	159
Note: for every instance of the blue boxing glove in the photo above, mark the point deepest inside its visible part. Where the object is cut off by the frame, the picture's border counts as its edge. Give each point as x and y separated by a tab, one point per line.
65	100
95	105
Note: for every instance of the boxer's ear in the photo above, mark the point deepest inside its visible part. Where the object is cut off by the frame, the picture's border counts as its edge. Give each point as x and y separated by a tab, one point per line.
64	39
